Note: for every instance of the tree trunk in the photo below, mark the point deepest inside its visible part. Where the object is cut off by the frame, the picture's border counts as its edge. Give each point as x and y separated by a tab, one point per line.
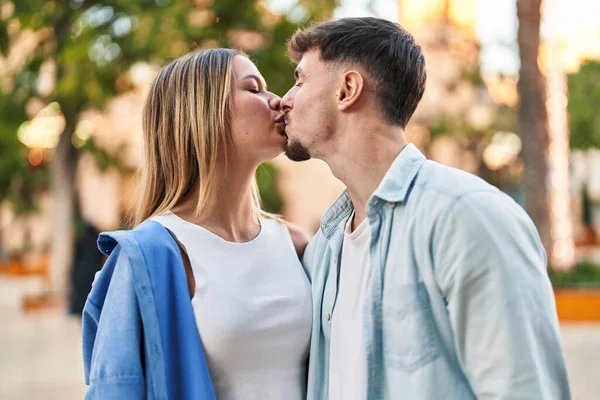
533	119
63	196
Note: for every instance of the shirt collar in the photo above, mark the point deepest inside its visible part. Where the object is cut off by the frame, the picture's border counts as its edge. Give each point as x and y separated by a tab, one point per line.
394	188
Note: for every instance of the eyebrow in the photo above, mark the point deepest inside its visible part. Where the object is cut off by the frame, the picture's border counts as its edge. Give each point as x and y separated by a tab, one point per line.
298	72
258	80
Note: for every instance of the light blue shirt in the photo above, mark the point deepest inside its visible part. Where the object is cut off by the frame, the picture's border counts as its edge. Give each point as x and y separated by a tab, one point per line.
459	304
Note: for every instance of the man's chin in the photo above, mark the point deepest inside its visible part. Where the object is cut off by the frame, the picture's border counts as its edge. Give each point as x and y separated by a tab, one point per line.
296	151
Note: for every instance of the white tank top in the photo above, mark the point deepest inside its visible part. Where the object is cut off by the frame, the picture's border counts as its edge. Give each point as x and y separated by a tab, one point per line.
253	310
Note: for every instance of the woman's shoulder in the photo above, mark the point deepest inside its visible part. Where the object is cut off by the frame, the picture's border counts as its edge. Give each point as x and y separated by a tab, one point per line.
299	236
150	235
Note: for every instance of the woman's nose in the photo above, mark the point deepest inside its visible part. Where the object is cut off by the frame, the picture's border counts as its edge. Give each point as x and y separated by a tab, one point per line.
275	102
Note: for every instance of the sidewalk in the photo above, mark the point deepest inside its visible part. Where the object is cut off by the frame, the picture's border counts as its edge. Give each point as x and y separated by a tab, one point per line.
40	354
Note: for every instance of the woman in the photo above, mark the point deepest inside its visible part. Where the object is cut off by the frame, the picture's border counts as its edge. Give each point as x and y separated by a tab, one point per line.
207	297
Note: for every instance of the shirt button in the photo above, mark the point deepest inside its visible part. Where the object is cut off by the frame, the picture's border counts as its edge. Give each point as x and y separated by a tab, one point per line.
328	316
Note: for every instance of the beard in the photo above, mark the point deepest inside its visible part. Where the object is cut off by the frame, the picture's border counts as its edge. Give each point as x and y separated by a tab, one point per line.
296	151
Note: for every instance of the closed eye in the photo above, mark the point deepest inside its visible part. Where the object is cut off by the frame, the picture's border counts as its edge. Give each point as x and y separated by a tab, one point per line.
258	84
298	84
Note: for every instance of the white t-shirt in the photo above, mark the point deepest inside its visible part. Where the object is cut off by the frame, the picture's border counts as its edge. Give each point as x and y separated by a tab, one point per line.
253	310
348	358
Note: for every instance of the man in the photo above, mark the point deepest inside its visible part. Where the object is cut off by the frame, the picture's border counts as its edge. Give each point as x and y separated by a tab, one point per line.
428	283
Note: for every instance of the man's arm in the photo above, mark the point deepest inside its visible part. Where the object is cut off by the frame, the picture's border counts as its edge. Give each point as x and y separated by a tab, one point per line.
491	269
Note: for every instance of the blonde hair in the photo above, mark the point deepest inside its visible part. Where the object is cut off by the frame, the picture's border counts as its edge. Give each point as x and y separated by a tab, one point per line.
186	125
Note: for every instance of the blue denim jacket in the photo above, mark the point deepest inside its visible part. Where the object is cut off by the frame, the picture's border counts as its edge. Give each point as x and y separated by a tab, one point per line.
459	304
140	338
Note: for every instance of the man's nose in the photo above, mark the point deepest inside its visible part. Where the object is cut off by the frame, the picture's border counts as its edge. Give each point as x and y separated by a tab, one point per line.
287	102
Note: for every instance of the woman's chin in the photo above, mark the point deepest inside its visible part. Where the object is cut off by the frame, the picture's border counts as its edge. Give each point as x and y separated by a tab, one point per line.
270	155
274	149
280	146
280	137
274	146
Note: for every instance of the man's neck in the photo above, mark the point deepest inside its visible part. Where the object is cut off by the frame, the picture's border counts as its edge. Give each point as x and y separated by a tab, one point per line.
361	159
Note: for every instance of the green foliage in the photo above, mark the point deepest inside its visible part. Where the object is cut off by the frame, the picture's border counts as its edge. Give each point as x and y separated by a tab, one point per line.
457	126
506	119
26	183
442	126
19	181
104	160
584	97
473	76
266	177
95	42
585	274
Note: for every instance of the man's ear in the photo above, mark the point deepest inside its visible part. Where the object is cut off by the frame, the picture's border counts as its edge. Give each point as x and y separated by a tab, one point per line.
350	90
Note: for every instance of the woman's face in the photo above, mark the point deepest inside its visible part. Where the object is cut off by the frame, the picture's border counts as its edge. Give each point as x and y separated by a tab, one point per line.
257	123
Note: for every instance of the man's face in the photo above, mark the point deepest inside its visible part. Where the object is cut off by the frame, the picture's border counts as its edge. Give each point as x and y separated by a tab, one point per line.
310	108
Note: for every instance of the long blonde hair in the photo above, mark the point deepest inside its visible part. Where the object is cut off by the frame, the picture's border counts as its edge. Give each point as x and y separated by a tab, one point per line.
186	125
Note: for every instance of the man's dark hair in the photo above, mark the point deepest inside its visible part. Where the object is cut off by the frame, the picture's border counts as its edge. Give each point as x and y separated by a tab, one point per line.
388	53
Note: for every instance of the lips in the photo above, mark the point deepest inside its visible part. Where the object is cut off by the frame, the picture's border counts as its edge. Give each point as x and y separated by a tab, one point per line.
281	120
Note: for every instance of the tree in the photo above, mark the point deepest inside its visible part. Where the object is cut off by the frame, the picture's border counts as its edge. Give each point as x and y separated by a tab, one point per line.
584	125
584	97
90	45
533	119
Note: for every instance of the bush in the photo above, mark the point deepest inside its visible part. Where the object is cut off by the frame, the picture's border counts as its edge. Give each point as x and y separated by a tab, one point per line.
584	274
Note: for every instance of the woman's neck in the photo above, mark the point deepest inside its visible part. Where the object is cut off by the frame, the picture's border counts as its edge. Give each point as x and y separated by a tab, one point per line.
229	211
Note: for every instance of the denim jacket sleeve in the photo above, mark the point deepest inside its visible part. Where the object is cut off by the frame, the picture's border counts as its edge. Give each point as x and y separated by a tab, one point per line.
491	268
112	334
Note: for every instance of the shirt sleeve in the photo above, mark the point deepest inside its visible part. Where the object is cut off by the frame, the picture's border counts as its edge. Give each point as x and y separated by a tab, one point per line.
112	337
491	268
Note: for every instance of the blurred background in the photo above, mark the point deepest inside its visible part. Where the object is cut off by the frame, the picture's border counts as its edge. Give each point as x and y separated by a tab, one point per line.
512	94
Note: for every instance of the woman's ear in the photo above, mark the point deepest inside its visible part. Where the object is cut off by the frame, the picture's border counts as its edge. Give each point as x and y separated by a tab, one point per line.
350	90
